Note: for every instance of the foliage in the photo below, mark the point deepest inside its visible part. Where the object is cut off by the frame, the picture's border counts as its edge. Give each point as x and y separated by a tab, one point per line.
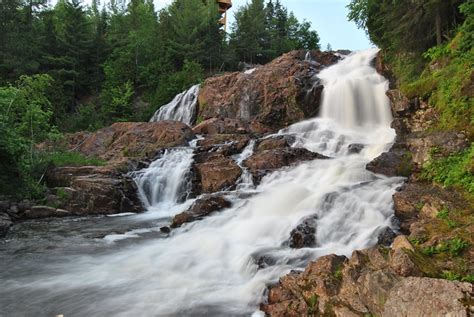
60	158
25	119
454	170
262	32
454	247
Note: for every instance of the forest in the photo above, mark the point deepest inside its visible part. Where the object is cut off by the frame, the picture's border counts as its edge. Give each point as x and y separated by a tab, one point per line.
75	67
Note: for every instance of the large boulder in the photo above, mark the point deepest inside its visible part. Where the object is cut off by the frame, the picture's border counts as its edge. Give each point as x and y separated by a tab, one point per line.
214	172
275	95
201	208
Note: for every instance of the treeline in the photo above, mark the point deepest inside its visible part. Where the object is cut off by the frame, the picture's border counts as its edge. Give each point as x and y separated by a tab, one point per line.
110	63
75	67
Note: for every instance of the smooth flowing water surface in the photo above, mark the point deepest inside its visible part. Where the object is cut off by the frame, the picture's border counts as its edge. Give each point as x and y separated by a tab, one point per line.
87	267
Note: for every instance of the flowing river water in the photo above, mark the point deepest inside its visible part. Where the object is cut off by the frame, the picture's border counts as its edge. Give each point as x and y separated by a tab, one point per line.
124	265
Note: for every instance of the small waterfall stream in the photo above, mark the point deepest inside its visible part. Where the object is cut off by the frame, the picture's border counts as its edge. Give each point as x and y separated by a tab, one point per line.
182	108
210	267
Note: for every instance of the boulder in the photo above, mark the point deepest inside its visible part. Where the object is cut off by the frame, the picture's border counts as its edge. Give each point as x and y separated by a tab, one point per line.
304	235
275	95
98	194
396	162
422	296
267	161
201	208
214	172
386	237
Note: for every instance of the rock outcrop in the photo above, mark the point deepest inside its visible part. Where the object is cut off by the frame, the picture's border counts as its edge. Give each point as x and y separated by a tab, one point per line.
273	96
274	153
127	140
376	281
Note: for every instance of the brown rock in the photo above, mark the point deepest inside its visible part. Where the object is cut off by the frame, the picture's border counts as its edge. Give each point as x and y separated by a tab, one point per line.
415	296
132	139
220	126
401	242
403	265
264	162
304	235
100	194
215	173
201	208
275	95
225	144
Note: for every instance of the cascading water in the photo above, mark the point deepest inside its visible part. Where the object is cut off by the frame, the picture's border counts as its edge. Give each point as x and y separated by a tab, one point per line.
210	267
182	108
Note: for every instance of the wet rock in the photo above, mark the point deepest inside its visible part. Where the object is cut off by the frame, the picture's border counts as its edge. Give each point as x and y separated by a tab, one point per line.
279	93
264	162
165	229
201	208
265	261
416	296
275	142
5	224
214	173
396	162
386	237
225	144
38	212
304	235
355	148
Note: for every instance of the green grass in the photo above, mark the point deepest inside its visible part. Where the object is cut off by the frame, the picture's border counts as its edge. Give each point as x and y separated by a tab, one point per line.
62	158
454	247
454	170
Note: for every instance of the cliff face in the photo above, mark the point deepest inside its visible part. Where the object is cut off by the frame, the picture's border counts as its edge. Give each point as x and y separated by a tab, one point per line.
413	277
268	97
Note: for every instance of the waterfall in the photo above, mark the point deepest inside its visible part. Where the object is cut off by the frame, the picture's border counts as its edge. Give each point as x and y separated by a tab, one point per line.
182	108
354	93
212	267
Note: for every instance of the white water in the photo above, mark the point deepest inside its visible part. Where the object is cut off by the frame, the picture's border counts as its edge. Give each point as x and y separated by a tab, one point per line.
182	108
209	268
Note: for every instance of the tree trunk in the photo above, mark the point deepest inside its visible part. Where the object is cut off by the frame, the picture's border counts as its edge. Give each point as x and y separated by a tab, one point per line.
439	37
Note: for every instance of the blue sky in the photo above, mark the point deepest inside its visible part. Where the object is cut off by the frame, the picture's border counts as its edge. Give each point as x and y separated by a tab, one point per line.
328	18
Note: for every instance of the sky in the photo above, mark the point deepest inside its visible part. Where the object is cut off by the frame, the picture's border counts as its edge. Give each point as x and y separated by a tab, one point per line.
328	18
